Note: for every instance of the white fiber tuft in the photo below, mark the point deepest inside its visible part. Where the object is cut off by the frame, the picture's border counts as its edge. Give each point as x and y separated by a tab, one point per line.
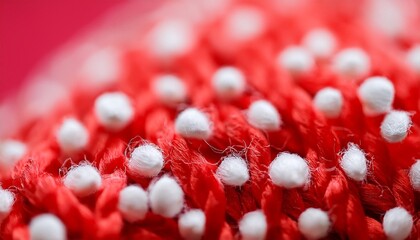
193	123
114	110
415	175
376	95
413	58
170	89
263	115
11	151
133	203
192	224
83	180
253	226
166	197
329	101
314	223
228	82
47	227
395	126
397	223
296	60
233	171
353	162
72	136
320	42
244	24
7	199
146	161
352	63
289	171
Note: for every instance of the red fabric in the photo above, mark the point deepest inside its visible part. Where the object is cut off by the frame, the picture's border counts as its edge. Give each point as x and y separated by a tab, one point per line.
356	209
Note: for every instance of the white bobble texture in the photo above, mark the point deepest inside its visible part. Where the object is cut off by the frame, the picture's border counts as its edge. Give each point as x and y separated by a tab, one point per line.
146	161
351	63
47	227
415	175
72	136
170	89
253	226
171	38
7	199
233	171
376	95
397	223
263	115
133	203
103	67
244	24
228	82
192	224
329	101
114	110
413	58
83	180
166	197
289	171
353	162
395	126
11	151
320	42
296	60
314	223
193	123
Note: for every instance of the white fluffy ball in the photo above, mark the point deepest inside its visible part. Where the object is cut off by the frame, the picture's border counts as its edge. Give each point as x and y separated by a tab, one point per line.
83	180
351	63
329	101
263	115
114	110
47	227
413	58
289	171
233	171
103	67
376	95
170	89
193	123
296	60
314	223
11	151
320	42
133	203
353	162
7	199
395	126
146	160
192	224
244	24
72	136
415	175
397	223
166	197
253	226
228	82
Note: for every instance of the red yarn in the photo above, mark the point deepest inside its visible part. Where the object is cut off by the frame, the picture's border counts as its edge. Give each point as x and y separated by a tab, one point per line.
355	209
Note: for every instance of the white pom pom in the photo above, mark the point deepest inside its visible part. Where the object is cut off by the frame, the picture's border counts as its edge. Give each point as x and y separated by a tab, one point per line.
353	162
352	63
289	171
6	203
146	160
47	227
320	42
314	223
415	175
83	180
329	101
395	126
192	123
229	82
103	67
192	224
263	115
11	151
244	24
171	38
397	223
114	110
233	171
253	226
296	60
72	136
170	89
376	95
413	58
166	197
132	203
